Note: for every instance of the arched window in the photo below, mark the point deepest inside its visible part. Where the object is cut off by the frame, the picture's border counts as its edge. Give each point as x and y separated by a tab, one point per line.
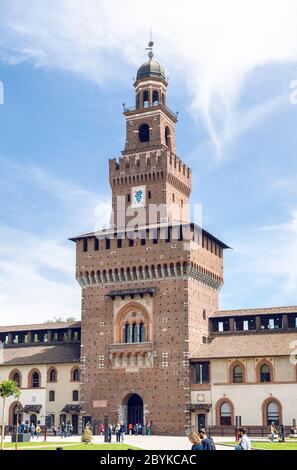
52	395
15	414
144	133
167	137
34	381
273	415
127	333
225	414
63	419
75	395
135	333
145	99
155	98
50	421
52	375
75	376
142	333
15	376
237	375
265	373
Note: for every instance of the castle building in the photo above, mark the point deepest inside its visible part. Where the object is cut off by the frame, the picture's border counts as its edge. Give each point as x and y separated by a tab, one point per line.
44	361
153	343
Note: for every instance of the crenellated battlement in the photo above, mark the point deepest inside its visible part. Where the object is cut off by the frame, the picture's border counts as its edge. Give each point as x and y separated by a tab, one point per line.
148	163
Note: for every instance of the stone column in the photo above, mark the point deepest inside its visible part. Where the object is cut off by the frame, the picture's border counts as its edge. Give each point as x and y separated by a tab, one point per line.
232	325
258	323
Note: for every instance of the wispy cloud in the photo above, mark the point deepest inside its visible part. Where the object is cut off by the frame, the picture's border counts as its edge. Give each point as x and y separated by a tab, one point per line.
37	265
36	278
214	46
264	261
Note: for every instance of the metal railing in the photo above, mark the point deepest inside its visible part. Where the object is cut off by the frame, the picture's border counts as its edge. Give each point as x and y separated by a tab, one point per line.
128	109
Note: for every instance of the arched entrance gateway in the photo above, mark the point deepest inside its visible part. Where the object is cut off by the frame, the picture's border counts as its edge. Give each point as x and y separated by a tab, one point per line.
133	409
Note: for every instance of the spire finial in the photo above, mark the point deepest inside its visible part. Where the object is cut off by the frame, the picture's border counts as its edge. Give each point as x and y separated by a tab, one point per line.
150	45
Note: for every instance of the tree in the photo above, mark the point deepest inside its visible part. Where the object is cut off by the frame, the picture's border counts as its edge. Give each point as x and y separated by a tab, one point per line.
60	320
87	434
8	388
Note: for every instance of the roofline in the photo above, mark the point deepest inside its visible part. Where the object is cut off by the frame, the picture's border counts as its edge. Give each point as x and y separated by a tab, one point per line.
115	230
245	311
209	358
39	326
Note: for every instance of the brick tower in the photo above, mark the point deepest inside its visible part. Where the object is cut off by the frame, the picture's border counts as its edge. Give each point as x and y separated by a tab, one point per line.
150	282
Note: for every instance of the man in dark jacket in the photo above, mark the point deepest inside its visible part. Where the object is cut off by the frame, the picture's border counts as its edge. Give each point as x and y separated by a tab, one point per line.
207	442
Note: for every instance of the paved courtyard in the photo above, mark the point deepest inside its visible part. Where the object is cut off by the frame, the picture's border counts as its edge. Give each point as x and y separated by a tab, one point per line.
143	442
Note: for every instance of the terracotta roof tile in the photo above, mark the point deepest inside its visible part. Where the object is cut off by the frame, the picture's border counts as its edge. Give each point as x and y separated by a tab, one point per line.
247	345
45	354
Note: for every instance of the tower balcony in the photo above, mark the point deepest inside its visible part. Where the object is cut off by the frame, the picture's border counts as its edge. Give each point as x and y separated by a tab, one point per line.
131	355
128	110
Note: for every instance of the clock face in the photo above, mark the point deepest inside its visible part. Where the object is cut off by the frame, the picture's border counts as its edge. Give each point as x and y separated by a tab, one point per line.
138	196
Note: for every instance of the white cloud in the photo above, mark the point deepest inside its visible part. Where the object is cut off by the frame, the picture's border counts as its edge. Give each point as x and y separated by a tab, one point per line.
37	275
213	45
36	278
83	207
264	262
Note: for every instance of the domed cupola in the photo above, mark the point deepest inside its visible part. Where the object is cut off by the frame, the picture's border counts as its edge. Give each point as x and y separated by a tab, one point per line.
151	68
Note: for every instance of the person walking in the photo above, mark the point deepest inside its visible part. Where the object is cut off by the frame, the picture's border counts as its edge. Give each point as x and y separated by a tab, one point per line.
109	433
130	429
63	430
195	441
273	431
101	429
149	428
244	441
32	430
118	432
122	432
207	441
282	434
38	431
140	429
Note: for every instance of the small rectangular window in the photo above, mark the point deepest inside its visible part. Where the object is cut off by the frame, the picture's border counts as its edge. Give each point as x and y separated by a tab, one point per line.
128	198
143	242
107	244
85	245
165	360
201	372
131	242
96	244
101	362
120	243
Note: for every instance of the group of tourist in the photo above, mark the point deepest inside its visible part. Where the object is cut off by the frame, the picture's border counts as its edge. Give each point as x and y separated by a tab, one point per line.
119	430
203	441
63	430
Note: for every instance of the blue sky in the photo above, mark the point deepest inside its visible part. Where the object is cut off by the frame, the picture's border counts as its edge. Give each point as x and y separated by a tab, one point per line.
67	67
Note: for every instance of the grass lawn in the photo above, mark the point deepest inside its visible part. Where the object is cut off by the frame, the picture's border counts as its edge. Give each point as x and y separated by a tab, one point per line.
288	445
68	446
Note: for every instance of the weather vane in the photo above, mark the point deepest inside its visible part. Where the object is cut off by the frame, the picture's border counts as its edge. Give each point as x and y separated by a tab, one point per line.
150	46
